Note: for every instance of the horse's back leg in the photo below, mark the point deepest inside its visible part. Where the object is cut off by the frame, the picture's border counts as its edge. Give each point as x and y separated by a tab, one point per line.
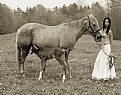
22	53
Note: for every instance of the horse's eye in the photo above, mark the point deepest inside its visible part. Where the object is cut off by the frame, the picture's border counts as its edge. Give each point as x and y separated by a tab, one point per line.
94	24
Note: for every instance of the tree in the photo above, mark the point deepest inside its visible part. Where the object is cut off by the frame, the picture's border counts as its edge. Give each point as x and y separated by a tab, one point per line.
64	10
19	18
98	12
6	20
55	9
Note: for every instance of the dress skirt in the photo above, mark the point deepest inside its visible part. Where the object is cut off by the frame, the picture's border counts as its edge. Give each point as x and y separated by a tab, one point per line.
101	67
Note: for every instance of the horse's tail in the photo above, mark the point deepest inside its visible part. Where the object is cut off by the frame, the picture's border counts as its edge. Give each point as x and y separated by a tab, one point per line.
18	50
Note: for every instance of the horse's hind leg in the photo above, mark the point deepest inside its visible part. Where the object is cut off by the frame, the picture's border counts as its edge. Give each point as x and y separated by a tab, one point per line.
22	56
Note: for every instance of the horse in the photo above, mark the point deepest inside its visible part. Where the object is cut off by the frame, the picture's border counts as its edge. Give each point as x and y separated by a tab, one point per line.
52	42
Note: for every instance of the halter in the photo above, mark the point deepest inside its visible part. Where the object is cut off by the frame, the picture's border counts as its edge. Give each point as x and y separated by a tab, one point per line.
93	33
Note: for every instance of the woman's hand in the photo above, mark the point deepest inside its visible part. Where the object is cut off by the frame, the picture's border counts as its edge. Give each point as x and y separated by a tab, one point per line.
99	43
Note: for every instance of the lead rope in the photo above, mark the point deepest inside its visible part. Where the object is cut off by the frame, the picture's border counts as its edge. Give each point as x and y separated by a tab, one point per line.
112	58
101	49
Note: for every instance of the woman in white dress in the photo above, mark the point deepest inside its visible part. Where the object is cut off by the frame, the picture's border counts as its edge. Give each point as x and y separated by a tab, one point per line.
101	67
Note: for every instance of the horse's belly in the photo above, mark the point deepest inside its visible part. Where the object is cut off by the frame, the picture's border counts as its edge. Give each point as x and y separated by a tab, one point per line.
46	40
46	52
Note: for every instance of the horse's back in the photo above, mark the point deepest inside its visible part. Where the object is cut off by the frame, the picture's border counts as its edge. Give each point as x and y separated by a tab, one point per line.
48	36
28	27
34	33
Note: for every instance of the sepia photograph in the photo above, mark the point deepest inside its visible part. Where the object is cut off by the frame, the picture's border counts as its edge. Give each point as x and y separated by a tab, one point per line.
60	47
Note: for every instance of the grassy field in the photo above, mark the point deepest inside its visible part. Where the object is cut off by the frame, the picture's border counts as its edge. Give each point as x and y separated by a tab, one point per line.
81	60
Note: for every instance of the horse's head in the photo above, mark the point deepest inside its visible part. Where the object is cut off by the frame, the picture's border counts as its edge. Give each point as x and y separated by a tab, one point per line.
93	28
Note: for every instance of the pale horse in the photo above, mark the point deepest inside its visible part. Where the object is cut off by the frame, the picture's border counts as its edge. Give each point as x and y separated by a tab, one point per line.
52	42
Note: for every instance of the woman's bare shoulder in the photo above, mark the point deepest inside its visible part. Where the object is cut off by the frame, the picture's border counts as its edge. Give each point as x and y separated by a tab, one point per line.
101	31
110	32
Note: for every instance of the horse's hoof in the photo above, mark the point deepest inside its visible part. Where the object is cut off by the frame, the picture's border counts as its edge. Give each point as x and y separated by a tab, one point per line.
21	75
40	78
21	72
64	78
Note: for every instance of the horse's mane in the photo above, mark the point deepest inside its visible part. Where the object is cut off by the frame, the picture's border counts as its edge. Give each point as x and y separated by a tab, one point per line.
75	24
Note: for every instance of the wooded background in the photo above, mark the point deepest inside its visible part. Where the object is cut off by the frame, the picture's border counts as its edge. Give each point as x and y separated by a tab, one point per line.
11	20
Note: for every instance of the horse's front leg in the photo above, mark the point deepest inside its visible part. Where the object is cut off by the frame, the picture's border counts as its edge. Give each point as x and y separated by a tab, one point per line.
43	67
66	68
63	63
66	58
69	70
63	73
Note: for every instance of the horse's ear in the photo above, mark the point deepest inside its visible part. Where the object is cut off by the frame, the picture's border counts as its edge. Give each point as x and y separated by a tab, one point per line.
91	15
88	16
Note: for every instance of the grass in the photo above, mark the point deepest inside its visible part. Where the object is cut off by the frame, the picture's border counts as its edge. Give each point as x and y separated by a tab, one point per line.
81	61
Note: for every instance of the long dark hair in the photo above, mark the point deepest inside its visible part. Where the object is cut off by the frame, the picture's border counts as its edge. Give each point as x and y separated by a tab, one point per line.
108	25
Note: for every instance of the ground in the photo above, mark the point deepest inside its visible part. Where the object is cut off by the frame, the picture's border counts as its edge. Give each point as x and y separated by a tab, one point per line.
81	61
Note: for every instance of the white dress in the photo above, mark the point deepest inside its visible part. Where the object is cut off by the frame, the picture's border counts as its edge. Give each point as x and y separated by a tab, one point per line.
101	67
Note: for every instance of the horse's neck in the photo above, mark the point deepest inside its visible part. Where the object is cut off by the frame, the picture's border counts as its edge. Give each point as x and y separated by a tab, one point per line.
79	34
76	28
81	30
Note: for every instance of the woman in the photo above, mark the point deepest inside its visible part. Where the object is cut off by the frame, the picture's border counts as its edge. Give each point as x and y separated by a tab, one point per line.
101	66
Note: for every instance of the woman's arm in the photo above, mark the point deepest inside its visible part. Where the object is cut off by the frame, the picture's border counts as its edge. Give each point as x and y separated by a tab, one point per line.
110	36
